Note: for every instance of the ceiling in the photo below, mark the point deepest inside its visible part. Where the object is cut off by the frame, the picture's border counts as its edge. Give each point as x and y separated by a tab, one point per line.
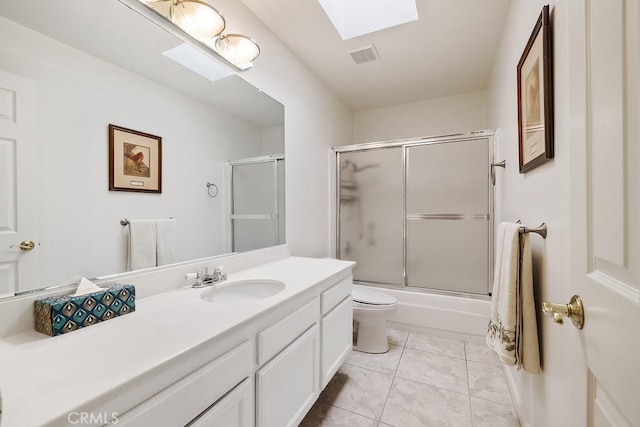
449	50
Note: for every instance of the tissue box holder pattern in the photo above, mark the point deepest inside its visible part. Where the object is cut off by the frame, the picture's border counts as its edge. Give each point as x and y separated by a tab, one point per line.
62	314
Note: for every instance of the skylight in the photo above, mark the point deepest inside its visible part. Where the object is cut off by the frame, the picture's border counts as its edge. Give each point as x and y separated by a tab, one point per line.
353	18
197	62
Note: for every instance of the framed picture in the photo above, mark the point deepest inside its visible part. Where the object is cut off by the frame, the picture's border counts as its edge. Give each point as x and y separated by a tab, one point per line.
535	97
135	161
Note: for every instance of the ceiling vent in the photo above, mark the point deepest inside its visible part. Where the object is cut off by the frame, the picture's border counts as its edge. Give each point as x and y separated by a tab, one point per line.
364	54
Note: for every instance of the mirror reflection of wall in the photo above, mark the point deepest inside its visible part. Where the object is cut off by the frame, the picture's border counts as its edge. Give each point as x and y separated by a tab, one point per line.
77	95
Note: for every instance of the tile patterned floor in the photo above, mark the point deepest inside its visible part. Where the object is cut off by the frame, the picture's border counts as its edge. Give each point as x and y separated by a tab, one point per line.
422	381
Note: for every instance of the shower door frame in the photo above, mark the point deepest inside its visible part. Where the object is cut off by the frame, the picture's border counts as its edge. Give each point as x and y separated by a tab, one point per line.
405	144
230	215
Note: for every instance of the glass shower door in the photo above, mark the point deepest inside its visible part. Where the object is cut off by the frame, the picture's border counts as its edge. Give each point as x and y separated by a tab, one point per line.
257	203
370	224
447	216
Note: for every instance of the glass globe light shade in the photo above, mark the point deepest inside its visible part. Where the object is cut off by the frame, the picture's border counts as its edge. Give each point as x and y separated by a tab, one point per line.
238	49
198	19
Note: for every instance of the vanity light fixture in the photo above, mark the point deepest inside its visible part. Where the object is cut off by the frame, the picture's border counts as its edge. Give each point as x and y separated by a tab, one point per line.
240	50
198	20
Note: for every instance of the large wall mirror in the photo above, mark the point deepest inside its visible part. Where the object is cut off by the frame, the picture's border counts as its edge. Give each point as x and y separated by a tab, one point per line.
68	70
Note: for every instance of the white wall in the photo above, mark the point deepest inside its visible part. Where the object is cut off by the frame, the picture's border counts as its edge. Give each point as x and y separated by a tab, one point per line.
273	140
541	195
441	116
77	97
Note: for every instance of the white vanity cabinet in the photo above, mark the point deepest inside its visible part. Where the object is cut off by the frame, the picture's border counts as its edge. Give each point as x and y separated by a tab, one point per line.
200	396
309	346
294	359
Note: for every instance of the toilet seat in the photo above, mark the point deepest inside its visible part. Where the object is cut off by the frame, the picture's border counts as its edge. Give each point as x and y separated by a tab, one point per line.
371	298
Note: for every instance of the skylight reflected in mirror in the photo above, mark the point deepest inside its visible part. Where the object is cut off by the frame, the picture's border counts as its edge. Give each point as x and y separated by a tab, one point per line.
198	62
354	18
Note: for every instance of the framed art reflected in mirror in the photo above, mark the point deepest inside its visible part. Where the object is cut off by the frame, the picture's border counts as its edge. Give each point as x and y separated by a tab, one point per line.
535	97
135	161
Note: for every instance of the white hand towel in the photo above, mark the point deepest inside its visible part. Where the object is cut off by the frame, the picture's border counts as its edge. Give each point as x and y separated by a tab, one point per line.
165	241
513	332
142	244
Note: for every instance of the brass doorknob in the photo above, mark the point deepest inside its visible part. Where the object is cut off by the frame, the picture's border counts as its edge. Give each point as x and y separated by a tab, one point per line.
574	311
25	245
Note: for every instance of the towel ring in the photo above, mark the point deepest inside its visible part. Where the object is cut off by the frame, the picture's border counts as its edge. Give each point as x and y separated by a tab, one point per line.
209	185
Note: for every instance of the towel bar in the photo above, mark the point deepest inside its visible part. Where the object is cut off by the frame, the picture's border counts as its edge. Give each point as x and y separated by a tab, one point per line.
124	221
541	230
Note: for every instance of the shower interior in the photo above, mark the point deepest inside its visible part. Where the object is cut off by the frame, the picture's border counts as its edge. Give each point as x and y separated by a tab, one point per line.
417	214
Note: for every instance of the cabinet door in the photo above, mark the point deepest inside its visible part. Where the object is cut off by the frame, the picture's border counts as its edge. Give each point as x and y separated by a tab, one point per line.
288	385
336	330
234	410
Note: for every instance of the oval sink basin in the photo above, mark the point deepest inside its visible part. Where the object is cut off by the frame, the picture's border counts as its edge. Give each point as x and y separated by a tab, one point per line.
245	290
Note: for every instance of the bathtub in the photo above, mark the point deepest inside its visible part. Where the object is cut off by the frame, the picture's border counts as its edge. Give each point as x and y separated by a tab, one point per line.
444	315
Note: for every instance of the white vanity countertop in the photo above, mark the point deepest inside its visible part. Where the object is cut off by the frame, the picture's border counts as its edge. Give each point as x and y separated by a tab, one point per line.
45	378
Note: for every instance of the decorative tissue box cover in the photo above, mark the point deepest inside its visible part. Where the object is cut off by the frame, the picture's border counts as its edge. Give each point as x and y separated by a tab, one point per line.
66	313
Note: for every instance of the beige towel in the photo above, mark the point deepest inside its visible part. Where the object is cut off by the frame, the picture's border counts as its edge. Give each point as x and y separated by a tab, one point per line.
142	244
513	331
165	241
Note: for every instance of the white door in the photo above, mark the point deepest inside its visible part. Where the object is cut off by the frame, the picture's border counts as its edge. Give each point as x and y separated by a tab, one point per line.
18	184
604	357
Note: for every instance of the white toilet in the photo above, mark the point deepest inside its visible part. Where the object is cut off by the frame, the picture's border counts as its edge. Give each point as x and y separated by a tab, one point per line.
371	308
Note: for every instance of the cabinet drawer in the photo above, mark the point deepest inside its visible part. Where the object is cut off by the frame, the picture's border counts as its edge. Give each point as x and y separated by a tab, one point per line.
279	335
188	397
332	296
288	385
233	410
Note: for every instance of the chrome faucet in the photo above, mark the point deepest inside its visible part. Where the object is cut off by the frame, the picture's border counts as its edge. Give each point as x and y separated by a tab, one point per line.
207	279
217	276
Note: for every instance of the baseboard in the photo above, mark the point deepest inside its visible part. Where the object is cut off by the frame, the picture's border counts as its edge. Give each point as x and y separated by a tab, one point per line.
515	396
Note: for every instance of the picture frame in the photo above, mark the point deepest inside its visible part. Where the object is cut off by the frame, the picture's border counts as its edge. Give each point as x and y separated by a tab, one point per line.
135	161
535	97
